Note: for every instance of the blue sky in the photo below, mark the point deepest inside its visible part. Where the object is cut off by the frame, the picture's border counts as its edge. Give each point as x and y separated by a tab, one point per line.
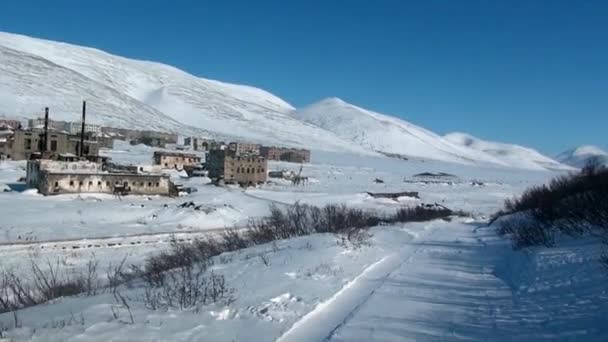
528	72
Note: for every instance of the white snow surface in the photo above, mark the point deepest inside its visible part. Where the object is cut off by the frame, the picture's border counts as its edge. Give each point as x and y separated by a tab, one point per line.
389	134
580	156
430	281
510	154
129	93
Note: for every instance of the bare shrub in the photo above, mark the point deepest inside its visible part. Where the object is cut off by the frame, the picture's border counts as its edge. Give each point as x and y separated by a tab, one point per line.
188	287
574	205
354	238
422	213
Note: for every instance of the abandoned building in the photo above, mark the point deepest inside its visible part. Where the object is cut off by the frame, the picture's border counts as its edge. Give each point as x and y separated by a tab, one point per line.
292	155
77	176
10	124
244	148
150	138
245	169
176	160
75	127
38	123
22	144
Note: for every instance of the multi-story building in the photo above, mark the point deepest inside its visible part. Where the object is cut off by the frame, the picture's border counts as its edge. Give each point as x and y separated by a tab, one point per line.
38	123
292	155
10	124
176	160
75	128
244	148
22	144
244	169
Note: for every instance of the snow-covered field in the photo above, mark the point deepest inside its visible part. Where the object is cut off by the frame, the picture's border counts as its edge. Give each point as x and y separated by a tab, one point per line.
418	281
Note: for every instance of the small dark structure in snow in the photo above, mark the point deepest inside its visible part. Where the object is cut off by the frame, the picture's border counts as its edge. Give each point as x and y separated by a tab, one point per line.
430	177
378	180
394	195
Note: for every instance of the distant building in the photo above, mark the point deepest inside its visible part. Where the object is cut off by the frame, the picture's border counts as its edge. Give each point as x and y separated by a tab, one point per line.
75	128
150	138
38	123
22	144
10	124
245	169
244	148
175	160
292	155
58	177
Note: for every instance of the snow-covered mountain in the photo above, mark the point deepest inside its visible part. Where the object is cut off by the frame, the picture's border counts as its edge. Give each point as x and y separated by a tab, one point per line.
121	92
510	154
580	156
389	134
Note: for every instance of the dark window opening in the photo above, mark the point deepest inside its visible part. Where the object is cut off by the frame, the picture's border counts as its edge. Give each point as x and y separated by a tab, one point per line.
56	184
53	145
71	183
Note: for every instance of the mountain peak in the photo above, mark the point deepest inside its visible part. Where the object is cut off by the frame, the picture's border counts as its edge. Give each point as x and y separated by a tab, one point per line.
332	101
580	156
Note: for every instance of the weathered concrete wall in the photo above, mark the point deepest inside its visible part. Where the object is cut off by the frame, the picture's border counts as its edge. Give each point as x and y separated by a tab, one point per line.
244	170
60	183
293	155
175	160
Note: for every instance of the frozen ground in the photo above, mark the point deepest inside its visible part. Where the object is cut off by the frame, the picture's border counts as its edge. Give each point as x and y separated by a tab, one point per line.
425	281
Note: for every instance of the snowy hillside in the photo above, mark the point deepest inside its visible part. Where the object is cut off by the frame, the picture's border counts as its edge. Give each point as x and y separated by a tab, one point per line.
391	135
508	153
579	156
138	94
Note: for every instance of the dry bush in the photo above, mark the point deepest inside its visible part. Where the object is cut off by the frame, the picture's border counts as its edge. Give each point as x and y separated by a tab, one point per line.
573	205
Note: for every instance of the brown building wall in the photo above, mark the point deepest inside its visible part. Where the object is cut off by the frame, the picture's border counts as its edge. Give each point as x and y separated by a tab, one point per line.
235	169
285	154
175	160
22	144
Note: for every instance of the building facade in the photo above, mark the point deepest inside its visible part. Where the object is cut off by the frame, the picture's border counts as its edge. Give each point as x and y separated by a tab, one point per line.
38	123
75	128
292	155
244	148
58	177
22	144
245	169
10	124
175	160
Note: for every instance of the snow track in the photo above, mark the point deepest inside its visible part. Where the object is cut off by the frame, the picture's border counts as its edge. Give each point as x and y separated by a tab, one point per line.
321	323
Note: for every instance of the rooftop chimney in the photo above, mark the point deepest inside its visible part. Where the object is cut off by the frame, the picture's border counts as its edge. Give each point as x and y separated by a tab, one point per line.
45	139
84	111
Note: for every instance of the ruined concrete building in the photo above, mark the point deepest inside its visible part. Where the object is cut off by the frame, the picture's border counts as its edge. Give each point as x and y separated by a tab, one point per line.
78	176
202	144
244	169
292	155
150	138
10	124
175	160
23	144
244	148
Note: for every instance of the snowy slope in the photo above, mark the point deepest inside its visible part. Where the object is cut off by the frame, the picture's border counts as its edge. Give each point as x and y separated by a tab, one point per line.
510	154
579	156
387	134
138	94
